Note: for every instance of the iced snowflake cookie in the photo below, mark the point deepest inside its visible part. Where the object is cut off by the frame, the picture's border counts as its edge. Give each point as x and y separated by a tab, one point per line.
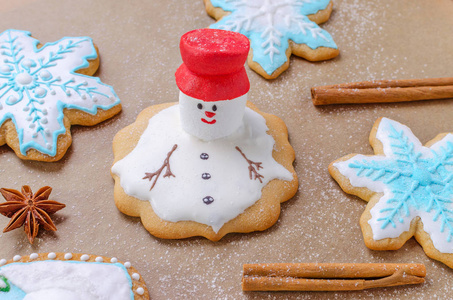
209	165
276	29
69	276
44	89
408	188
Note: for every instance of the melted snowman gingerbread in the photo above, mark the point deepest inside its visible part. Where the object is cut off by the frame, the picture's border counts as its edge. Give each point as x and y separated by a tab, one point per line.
207	159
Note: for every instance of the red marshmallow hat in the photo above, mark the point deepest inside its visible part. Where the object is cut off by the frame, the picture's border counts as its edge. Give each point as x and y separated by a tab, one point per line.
213	64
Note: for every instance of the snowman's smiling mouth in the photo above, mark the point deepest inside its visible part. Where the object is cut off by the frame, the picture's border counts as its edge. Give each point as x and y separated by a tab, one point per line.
208	122
209	115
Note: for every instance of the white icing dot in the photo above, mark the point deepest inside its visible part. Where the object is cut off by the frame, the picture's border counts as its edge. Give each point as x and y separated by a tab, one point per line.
5	69
34	256
44	120
44	111
85	83
40	92
47	132
51	255
114	260
2	262
95	99
84	97
5	60
17	257
127	264
32	125
112	97
136	276
52	92
68	93
26	108
49	146
58	78
12	99
99	259
41	101
28	118
85	257
140	291
34	135
45	75
1	106
27	63
68	256
24	78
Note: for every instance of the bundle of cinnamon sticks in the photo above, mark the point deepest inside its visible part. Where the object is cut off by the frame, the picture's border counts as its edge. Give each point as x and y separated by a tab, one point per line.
382	91
329	276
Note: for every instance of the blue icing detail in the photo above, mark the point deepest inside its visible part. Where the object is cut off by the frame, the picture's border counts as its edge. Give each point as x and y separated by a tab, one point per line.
17	294
33	95
269	43
416	180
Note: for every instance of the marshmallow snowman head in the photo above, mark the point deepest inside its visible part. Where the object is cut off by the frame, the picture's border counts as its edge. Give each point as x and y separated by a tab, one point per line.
212	81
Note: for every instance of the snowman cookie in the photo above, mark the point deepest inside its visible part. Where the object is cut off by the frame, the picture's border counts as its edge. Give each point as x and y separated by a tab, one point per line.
44	89
211	164
69	276
276	30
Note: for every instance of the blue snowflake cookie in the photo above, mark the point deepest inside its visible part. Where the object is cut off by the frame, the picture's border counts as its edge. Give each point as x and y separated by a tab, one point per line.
408	186
276	29
46	88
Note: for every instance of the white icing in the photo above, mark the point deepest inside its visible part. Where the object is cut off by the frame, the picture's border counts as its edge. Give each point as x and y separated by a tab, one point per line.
60	280
51	255
85	257
5	69
45	75
114	260
99	259
34	256
136	276
17	257
24	78
140	291
127	264
416	207
227	119
68	256
2	262
181	197
53	294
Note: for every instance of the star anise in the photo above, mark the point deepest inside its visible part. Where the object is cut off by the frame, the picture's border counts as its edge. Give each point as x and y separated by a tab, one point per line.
29	210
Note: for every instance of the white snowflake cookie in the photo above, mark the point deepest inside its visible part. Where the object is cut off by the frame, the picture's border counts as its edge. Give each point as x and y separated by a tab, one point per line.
408	186
276	29
69	276
44	89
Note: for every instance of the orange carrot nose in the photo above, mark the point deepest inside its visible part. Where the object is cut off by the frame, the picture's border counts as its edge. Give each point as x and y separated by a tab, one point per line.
209	114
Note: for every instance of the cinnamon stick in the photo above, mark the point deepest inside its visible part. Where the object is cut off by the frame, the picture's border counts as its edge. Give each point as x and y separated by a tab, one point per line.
382	91
329	276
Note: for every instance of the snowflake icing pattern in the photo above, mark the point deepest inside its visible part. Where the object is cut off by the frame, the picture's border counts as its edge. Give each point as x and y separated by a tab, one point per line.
37	84
415	180
270	24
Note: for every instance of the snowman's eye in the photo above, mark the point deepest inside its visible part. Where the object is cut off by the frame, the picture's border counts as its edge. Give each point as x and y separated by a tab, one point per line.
200	106
214	108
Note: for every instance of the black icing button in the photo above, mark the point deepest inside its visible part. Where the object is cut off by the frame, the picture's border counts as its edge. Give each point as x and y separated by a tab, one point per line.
206	176
204	156
208	200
